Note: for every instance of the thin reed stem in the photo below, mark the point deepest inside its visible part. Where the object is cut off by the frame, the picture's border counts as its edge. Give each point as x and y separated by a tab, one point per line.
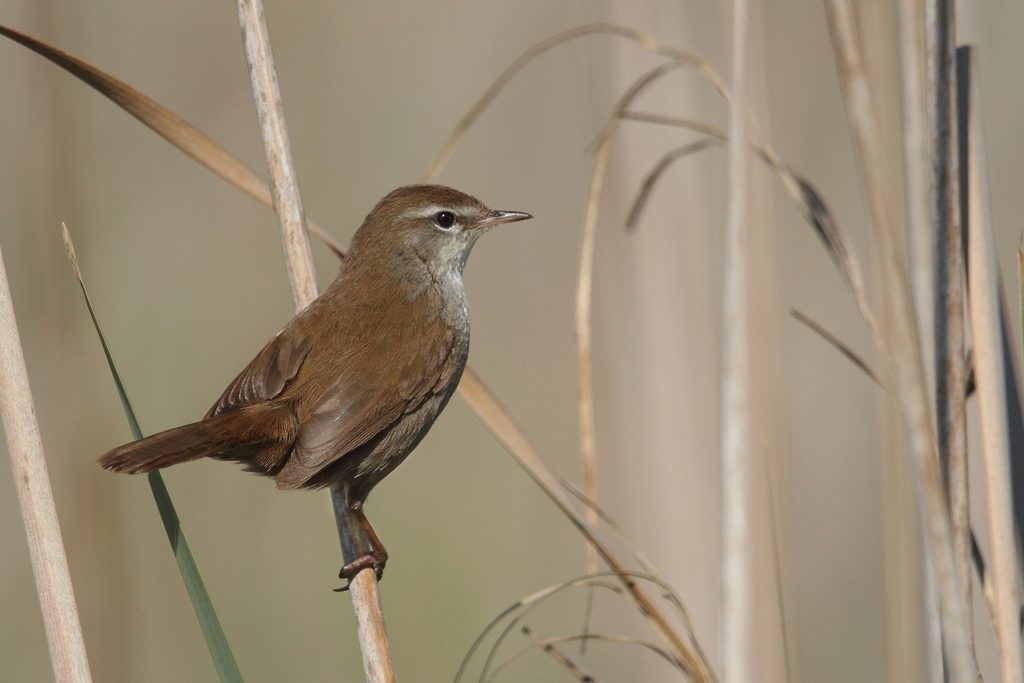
944	196
287	201
737	444
284	184
990	375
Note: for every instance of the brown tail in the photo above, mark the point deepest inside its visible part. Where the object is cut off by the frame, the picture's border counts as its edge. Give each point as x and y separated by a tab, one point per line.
260	436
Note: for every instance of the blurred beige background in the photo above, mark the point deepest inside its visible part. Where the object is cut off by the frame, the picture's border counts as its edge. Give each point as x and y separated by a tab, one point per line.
189	281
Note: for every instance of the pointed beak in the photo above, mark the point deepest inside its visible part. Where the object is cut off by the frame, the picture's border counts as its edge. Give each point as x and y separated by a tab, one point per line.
496	217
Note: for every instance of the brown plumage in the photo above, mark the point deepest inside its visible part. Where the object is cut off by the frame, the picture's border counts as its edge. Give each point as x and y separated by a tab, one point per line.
351	385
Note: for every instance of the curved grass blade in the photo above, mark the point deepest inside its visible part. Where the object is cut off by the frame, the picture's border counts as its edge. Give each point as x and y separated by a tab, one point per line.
168	125
655	175
836	343
213	633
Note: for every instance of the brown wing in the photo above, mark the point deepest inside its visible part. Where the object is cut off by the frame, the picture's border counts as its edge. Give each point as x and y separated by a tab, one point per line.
368	398
268	373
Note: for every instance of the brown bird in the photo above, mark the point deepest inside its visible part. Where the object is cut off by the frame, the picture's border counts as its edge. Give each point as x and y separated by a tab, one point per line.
351	385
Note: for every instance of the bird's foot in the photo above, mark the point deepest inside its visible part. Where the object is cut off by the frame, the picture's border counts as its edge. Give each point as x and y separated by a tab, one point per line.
374	559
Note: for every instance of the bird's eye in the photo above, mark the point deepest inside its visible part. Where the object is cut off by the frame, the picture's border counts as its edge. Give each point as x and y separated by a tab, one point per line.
444	219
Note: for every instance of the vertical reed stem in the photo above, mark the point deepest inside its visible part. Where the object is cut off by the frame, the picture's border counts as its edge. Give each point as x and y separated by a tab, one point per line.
737	445
285	191
950	360
284	184
922	258
990	370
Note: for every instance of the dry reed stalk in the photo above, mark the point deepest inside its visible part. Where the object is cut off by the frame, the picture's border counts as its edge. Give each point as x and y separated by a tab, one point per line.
950	363
990	374
902	349
915	163
35	498
284	184
737	615
922	260
373	641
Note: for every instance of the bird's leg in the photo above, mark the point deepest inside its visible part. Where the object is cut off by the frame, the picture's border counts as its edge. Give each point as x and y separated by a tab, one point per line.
376	558
379	552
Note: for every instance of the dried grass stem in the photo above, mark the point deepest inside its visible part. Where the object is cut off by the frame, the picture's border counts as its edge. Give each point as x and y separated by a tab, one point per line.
35	498
373	641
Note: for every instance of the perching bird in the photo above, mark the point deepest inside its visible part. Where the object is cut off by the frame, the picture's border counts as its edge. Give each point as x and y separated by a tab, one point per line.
351	385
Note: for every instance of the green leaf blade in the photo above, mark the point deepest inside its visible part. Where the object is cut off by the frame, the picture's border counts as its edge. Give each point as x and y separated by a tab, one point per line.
213	633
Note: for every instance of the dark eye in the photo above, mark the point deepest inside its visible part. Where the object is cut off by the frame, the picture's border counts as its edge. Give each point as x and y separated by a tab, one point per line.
444	219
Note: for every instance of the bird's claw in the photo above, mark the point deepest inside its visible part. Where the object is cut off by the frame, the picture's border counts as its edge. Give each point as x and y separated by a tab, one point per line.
375	560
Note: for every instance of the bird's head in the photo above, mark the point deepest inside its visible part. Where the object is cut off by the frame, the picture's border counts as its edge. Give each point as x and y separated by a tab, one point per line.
435	223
